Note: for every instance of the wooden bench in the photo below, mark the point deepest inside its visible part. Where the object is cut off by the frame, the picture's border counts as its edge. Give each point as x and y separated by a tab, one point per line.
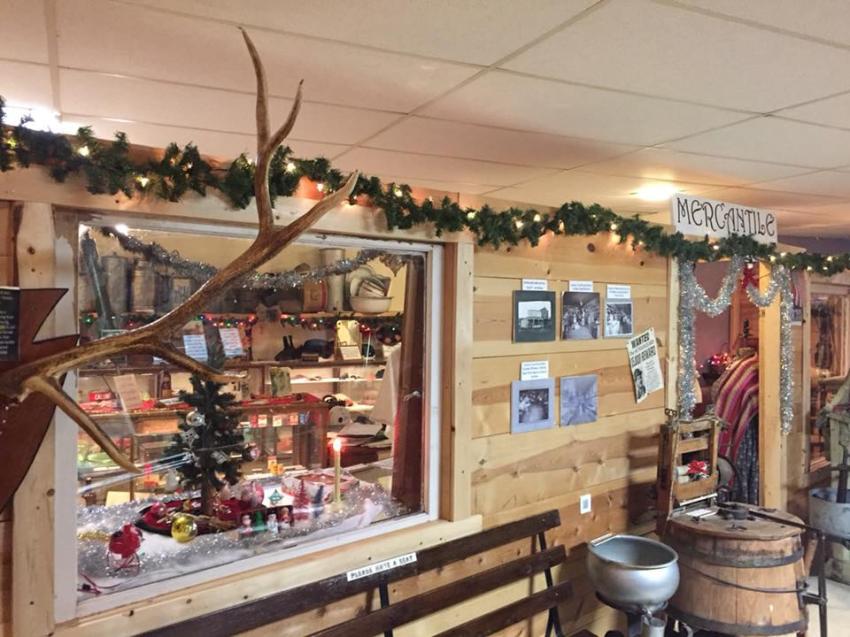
390	615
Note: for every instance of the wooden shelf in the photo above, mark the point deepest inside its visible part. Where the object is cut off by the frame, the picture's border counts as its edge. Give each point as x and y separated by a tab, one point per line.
294	364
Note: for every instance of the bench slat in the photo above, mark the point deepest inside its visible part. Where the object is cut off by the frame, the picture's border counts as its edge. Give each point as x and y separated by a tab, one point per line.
424	604
512	613
294	601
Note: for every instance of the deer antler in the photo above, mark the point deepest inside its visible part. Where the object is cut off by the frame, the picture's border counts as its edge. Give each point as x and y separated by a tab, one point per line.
154	338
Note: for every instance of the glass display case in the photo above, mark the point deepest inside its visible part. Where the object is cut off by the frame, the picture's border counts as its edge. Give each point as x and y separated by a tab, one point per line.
302	443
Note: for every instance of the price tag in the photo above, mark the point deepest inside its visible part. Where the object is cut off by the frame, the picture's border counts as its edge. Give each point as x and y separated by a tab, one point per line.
196	346
534	370
581	286
619	292
540	285
231	341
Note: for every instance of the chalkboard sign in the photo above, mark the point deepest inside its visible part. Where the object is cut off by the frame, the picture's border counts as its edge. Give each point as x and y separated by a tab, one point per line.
10	310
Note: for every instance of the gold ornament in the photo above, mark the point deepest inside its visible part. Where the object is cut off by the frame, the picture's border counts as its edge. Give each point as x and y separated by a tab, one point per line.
183	527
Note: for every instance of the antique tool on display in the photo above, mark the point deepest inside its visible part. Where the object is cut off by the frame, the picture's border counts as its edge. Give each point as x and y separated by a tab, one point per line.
40	375
687	464
636	575
742	570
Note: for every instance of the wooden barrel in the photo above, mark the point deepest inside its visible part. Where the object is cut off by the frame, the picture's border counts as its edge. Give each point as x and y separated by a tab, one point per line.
740	577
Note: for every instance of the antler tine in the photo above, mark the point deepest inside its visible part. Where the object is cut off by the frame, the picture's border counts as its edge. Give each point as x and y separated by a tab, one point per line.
172	355
51	389
283	132
326	204
262	93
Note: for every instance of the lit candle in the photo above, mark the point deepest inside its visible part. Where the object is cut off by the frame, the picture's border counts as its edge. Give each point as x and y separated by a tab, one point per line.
337	444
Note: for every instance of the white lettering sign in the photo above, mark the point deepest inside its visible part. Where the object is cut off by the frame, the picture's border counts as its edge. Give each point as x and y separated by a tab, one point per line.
581	286
540	285
694	216
380	567
534	370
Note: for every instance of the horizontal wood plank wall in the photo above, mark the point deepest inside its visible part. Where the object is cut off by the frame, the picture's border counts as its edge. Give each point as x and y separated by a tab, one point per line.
613	459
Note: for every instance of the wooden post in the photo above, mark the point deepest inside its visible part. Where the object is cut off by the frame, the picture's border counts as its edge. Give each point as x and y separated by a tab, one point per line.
671	399
32	560
456	476
770	434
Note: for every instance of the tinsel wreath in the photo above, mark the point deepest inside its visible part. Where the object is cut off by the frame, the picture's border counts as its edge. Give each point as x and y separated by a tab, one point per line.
108	167
693	297
198	271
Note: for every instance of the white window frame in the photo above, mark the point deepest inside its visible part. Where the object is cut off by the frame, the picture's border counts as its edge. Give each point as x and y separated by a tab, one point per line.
66	604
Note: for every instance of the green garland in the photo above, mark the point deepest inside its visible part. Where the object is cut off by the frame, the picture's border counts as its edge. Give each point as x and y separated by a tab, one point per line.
108	169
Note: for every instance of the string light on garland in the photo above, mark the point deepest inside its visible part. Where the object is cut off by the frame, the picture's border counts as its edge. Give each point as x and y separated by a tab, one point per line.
109	169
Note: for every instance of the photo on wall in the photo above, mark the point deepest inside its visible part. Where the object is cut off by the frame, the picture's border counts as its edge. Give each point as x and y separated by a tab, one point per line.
532	405
619	320
580	315
579	396
534	316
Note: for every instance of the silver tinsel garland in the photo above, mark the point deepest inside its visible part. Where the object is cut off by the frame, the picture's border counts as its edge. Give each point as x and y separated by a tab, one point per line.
201	272
693	297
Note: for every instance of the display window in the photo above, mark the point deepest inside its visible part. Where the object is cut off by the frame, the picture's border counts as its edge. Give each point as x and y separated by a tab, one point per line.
322	434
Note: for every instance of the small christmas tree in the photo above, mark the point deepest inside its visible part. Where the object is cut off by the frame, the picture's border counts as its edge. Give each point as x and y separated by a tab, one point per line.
209	438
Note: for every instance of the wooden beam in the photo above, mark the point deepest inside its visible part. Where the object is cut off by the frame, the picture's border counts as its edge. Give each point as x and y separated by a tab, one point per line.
455	471
770	434
33	523
671	394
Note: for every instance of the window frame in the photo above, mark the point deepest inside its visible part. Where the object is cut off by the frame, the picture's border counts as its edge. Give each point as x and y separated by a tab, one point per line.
66	605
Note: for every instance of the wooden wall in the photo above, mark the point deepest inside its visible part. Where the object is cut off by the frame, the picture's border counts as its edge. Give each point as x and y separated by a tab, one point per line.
613	459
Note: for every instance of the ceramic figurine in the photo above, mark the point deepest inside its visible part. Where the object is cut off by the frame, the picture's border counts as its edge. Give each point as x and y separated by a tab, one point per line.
271	524
246	530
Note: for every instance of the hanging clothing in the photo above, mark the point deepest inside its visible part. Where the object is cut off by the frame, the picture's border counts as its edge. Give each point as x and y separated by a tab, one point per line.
736	402
746	485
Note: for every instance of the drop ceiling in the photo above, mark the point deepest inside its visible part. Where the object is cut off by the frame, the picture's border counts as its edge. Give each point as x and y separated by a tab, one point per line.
541	102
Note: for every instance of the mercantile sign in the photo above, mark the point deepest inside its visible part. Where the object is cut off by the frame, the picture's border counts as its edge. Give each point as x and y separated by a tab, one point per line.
700	217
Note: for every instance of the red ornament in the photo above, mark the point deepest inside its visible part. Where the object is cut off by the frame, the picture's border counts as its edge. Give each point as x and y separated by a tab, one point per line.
123	548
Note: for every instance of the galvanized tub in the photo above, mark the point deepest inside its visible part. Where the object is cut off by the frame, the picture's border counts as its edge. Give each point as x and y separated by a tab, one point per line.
633	572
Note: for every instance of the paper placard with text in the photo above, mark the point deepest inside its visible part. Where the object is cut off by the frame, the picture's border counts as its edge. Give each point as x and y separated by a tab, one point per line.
231	340
619	292
644	364
128	391
195	346
540	285
534	370
581	286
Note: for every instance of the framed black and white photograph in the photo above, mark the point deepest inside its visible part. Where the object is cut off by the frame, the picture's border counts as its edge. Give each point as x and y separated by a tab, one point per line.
580	315
619	320
534	316
532	405
579	397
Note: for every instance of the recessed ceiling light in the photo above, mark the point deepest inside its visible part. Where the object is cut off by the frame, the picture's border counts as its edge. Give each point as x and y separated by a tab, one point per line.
656	192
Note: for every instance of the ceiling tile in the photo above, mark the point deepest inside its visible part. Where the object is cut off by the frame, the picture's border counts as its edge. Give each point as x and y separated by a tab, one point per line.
833	111
25	84
807	225
475	32
828	182
772	199
216	144
775	140
662	163
94	37
23	34
664	51
422	167
823	19
153	102
470	141
511	101
576	185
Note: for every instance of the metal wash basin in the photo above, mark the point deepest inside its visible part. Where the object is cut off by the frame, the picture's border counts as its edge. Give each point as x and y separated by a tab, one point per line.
633	573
